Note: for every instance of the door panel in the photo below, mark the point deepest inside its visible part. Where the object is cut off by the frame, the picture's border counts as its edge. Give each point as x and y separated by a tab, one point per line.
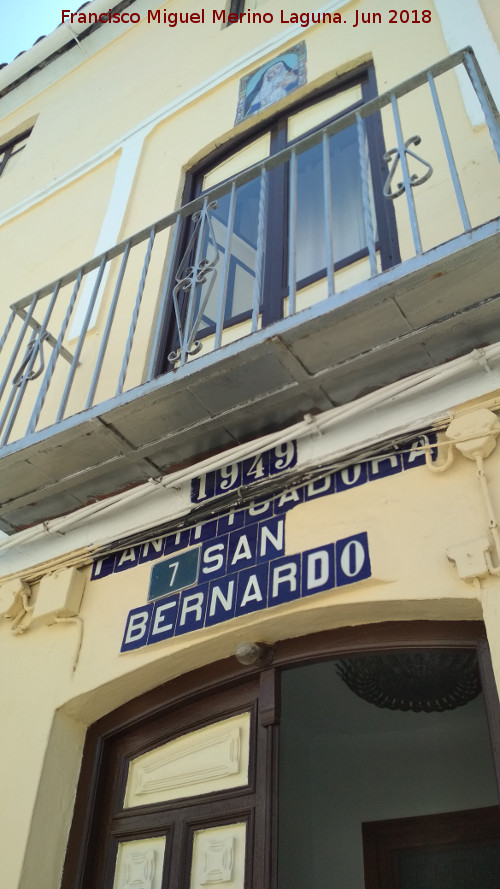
453	850
219	857
182	795
139	864
205	761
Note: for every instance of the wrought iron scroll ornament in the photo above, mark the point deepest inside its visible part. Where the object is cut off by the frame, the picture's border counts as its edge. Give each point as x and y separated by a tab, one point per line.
188	277
395	154
34	350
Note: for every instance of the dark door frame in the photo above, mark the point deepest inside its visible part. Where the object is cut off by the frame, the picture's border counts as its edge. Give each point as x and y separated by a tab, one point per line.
226	677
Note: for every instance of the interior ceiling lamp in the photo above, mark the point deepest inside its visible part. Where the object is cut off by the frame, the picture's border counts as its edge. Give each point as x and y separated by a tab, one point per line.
422	681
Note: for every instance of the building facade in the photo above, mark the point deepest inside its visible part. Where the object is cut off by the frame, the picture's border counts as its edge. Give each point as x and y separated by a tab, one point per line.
250	480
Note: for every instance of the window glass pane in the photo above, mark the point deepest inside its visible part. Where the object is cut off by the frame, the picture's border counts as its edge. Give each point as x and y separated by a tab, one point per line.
346	203
10	149
238	293
251	154
21	143
315	115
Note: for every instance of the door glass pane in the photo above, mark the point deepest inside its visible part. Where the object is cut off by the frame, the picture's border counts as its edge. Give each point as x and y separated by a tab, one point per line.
346	204
251	154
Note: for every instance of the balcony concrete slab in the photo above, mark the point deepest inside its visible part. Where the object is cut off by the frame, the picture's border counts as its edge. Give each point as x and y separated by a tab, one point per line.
452	337
242	381
185	447
415	316
357	328
158	414
386	364
462	279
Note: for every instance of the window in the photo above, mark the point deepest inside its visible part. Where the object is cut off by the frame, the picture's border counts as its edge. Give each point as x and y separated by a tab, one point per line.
257	779
262	247
237	6
11	148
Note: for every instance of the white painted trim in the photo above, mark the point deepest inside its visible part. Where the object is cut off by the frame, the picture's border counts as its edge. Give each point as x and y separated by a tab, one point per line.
163	113
111	227
464	24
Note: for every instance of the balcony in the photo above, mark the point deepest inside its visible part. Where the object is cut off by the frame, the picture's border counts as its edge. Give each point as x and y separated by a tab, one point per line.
133	363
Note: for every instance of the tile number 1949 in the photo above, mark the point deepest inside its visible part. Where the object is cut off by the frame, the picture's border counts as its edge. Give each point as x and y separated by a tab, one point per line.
236	475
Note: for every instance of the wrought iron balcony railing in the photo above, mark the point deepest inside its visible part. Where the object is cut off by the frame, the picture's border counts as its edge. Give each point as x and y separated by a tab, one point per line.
192	282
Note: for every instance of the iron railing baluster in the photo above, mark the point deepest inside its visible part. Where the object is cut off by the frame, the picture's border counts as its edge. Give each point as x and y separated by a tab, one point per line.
10	366
81	338
328	211
364	166
410	200
488	106
135	313
204	270
166	289
221	308
449	154
107	327
15	351
189	332
260	252
5	416
292	234
26	373
53	358
7	329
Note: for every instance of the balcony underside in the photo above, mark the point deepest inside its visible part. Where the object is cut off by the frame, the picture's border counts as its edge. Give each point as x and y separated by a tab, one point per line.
419	315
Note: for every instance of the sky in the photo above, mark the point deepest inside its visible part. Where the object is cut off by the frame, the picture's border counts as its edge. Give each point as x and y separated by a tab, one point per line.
24	21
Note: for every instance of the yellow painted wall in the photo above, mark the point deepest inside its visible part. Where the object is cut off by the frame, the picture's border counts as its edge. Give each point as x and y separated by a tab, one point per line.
490	10
55	196
411	519
57	234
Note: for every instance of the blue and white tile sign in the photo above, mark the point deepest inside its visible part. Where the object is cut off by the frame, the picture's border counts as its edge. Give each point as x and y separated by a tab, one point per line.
227	588
236	475
236	563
